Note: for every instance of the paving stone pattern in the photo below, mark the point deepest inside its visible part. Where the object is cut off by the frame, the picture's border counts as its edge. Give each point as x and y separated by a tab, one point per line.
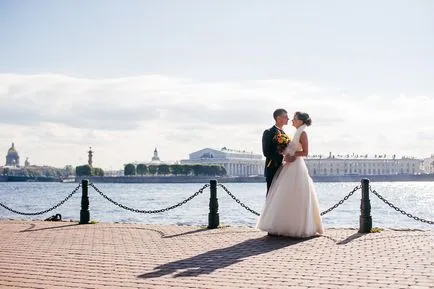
38	254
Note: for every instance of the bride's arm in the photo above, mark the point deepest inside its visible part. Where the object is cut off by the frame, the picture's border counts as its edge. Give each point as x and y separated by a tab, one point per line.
304	146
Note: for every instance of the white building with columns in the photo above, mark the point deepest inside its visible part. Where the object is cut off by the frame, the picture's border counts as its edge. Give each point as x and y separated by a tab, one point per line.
242	163
363	165
235	162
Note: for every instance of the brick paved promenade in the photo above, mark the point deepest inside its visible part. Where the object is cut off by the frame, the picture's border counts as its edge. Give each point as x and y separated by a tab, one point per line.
37	254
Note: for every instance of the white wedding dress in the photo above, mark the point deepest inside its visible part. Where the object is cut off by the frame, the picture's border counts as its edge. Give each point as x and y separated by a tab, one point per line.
291	208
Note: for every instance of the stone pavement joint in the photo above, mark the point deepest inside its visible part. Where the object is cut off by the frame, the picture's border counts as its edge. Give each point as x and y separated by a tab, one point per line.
38	254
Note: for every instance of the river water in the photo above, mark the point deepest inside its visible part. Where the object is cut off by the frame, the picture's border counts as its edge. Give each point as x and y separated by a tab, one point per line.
416	198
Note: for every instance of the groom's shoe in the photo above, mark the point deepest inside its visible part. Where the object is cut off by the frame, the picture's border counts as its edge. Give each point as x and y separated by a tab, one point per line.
272	235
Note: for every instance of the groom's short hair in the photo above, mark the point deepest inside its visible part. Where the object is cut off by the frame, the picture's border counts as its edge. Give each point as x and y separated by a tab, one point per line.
278	112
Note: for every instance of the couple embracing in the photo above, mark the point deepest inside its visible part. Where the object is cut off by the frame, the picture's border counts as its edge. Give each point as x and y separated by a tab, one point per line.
291	207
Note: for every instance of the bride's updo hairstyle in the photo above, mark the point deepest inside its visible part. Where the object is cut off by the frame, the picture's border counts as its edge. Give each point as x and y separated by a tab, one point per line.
304	117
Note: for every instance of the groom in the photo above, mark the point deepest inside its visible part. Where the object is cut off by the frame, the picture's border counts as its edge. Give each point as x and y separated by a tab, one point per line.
273	159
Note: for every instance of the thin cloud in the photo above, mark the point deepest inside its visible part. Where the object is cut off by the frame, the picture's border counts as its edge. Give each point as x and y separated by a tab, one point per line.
54	119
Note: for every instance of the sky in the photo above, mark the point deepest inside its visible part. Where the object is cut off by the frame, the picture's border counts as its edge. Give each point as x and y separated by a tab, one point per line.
125	77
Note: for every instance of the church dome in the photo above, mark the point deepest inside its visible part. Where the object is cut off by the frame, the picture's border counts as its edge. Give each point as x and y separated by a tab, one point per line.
155	158
12	158
12	149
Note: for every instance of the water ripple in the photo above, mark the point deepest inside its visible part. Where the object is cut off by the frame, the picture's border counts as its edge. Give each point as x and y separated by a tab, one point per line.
416	198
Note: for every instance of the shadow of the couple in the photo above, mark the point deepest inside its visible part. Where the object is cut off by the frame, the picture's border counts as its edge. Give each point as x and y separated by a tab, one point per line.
210	261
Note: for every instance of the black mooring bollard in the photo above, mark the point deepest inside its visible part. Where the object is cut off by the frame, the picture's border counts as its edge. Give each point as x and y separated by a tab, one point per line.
365	209
213	216
84	212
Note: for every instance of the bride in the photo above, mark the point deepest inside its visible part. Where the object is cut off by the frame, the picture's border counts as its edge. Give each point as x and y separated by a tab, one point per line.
291	208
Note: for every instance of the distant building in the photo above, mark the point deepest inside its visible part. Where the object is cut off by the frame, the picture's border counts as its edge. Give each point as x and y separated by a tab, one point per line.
236	163
428	165
12	157
155	157
155	160
362	165
242	163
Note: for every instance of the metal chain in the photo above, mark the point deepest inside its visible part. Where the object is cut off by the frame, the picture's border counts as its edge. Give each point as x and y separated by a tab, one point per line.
341	201
238	201
398	209
45	211
150	211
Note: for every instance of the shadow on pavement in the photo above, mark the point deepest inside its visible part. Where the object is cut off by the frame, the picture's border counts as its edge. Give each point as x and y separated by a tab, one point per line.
186	233
370	237
164	236
351	238
346	240
210	261
202	231
30	229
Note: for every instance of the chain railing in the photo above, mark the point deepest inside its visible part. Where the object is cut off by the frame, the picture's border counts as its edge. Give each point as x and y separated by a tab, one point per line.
149	211
398	209
356	188
237	200
365	218
365	205
44	211
257	214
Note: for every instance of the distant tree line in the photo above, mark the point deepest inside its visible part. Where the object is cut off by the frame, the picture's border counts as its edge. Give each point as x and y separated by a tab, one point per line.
39	171
46	171
86	170
176	169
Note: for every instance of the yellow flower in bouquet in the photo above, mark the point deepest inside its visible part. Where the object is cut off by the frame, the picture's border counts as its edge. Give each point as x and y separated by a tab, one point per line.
282	140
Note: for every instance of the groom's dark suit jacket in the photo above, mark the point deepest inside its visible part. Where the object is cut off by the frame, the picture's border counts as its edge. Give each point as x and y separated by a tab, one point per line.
273	159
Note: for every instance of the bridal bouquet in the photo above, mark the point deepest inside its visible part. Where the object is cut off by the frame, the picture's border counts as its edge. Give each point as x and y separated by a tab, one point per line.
282	140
